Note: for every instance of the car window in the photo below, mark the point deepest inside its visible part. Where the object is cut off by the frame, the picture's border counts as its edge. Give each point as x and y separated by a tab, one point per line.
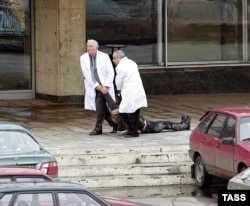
205	123
5	179
244	130
31	179
5	199
46	198
216	127
76	199
229	129
35	199
15	141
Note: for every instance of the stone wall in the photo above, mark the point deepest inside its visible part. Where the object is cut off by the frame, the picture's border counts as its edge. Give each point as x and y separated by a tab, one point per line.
59	41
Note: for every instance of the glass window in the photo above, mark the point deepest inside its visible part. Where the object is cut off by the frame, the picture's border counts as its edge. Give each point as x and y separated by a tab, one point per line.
229	130
39	199
5	198
15	47
31	179
205	123
137	24
244	129
76	199
204	30
15	142
216	127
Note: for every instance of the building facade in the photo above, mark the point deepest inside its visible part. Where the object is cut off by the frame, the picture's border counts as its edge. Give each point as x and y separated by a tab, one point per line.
181	46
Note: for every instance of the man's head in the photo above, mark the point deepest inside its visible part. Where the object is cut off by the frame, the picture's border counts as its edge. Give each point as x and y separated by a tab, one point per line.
117	56
92	47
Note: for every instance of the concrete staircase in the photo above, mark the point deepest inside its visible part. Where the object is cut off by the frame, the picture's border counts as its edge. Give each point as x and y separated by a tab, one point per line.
125	167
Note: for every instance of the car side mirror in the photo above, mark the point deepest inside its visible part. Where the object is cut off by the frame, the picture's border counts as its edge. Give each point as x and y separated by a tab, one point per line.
228	140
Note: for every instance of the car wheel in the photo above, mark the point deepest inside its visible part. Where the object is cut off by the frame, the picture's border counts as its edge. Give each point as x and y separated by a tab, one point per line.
203	179
243	168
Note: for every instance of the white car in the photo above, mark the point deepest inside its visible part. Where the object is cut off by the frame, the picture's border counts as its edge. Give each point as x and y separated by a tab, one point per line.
19	148
240	181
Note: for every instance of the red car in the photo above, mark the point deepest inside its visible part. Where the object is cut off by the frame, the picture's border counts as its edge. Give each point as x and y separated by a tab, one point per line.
220	144
24	174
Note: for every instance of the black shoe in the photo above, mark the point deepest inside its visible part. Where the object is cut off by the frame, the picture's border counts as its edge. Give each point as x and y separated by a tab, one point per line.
131	135
95	132
186	120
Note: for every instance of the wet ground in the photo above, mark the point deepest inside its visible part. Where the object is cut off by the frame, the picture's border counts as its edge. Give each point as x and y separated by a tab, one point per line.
60	126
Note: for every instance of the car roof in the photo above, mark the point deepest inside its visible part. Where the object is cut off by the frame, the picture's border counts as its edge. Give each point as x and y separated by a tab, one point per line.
236	110
5	125
41	186
20	171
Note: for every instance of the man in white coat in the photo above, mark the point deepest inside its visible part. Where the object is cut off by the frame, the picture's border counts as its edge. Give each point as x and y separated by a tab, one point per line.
133	96
98	75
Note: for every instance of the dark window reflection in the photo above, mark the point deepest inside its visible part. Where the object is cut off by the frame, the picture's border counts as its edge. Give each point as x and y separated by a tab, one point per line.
131	22
204	30
15	55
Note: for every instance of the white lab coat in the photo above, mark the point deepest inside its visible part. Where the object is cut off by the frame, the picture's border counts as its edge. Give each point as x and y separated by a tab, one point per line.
128	80
105	72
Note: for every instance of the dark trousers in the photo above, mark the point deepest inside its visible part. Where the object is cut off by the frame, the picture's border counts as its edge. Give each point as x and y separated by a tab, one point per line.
132	121
158	126
110	102
102	111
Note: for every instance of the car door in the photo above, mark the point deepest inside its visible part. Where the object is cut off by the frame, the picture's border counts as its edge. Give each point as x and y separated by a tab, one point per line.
225	152
211	140
206	143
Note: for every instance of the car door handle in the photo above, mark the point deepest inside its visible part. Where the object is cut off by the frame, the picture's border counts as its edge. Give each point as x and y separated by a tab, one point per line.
218	146
202	141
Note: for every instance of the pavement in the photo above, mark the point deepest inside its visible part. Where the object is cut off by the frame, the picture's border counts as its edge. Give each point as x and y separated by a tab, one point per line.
66	125
59	125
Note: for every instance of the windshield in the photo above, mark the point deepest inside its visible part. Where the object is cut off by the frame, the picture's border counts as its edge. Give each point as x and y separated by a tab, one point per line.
244	129
16	141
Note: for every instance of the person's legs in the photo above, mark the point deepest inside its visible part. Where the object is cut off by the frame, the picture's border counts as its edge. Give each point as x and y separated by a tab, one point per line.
133	122
124	117
111	104
155	126
100	113
112	119
117	120
184	124
158	126
142	126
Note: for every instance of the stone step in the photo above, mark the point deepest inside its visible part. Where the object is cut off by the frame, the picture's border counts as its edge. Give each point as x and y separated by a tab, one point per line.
124	169
124	158
113	159
148	192
118	150
133	180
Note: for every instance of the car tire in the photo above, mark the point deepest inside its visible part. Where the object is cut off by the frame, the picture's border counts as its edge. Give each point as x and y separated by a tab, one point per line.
203	179
242	168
